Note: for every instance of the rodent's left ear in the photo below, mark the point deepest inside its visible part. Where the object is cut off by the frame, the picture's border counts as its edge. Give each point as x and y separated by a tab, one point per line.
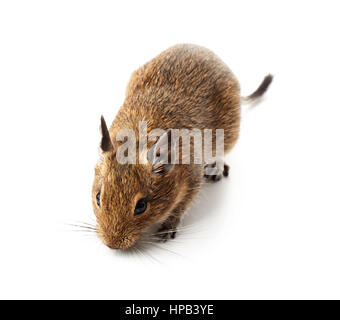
106	143
162	154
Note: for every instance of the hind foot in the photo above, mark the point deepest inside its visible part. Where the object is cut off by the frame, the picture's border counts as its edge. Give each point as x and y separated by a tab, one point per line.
213	173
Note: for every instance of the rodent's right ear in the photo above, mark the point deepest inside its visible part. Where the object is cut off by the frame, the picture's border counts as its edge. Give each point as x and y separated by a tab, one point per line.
106	143
162	154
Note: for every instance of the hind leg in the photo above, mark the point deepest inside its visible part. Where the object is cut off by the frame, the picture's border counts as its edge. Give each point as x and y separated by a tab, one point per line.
214	173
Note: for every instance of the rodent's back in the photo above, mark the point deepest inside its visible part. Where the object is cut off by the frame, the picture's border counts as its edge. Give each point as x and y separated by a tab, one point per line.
186	86
179	67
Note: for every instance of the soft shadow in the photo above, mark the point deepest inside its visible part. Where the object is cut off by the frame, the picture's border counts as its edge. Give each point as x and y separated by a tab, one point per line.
211	198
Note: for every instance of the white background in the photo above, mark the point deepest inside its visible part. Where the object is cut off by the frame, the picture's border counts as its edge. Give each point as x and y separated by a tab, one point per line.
271	230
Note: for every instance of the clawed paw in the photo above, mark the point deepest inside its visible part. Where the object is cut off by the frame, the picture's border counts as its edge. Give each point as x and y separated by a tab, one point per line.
164	234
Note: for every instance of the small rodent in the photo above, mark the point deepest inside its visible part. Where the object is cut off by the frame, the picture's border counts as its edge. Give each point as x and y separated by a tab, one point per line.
186	86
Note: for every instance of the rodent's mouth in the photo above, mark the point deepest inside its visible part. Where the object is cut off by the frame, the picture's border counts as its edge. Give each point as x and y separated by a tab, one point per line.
123	244
119	246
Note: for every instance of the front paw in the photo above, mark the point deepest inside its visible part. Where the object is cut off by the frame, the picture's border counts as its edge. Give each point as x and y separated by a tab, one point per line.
165	233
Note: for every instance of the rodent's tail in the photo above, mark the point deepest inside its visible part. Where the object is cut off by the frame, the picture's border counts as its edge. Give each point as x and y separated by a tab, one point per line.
258	93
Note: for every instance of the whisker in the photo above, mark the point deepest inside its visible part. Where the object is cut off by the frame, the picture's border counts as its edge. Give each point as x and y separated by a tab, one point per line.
140	252
89	225
173	230
150	256
166	249
82	227
162	248
155	239
87	235
84	231
182	228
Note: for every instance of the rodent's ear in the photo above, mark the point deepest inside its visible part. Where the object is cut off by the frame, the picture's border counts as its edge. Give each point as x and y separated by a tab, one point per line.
162	154
106	143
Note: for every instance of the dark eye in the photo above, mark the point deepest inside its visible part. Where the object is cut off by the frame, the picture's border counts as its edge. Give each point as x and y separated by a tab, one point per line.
98	199
141	206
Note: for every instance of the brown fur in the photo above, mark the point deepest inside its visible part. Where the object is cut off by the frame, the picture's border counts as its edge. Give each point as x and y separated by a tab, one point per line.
186	86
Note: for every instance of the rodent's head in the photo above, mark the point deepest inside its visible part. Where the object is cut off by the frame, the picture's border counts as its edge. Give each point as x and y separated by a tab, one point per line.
129	198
